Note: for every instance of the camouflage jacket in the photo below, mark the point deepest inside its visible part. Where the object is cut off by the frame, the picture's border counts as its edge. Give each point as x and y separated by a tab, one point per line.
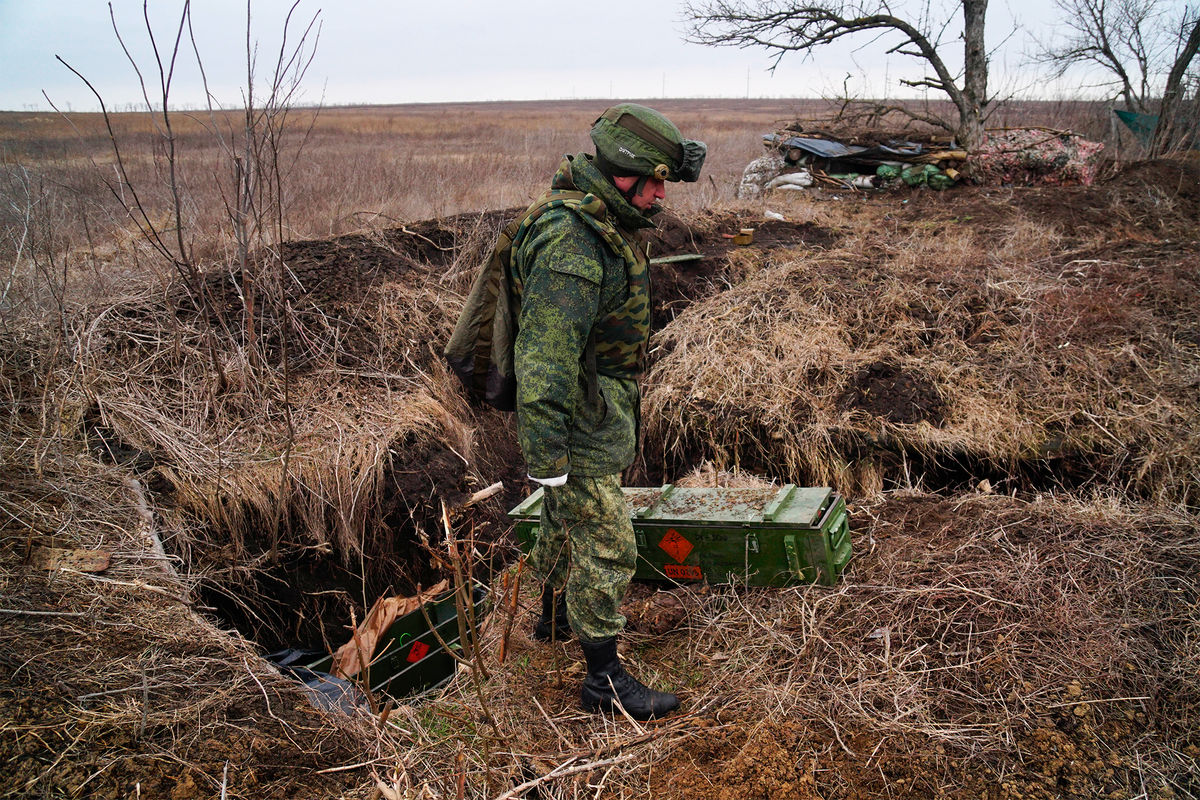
575	288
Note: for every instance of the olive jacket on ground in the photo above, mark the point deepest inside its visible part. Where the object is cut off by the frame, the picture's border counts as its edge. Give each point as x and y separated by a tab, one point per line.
583	284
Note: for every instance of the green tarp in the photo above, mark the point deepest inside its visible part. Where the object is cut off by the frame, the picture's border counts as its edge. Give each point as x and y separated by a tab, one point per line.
1142	125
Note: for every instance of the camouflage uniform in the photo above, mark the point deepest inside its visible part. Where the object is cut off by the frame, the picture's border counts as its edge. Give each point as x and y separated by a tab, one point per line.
584	288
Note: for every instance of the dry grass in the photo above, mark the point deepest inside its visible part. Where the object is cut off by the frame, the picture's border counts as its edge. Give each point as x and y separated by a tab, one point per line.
113	683
348	166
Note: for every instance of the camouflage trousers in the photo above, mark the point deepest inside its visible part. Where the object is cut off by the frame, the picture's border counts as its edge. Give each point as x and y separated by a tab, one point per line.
585	543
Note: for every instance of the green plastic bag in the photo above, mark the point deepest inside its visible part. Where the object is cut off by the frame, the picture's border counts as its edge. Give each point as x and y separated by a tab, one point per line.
940	181
918	175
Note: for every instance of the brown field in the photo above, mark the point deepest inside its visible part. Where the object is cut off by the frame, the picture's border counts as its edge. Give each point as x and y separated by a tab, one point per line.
1003	381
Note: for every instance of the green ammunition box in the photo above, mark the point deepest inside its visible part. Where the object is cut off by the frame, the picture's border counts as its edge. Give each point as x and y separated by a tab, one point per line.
760	537
409	657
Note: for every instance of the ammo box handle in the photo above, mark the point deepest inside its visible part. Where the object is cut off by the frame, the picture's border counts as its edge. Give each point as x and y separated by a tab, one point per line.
781	497
793	557
529	502
644	511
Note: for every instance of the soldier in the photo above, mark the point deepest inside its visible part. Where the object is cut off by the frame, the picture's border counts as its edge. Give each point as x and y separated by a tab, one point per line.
581	273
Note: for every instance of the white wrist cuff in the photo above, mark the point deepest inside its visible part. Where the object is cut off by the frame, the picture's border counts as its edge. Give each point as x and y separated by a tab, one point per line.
559	481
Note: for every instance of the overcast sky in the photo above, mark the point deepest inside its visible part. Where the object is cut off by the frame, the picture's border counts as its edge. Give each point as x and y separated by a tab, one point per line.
398	51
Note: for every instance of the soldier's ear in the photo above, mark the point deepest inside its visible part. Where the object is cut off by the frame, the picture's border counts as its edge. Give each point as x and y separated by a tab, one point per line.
624	182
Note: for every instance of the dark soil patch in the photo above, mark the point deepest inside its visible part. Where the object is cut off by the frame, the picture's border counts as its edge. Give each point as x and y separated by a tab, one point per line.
801	760
301	595
342	268
895	394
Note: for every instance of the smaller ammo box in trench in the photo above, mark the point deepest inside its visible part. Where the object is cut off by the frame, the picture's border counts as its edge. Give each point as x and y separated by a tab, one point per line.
762	537
408	657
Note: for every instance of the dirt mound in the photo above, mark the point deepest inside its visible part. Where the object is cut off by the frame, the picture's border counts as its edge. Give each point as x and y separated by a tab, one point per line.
978	646
114	687
1174	177
340	269
677	285
1141	201
378	435
966	335
921	677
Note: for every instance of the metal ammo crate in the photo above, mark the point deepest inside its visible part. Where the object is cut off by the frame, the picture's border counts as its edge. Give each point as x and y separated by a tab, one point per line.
409	657
762	537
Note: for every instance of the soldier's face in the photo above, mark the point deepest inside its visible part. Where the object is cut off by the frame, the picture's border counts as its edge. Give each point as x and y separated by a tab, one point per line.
653	191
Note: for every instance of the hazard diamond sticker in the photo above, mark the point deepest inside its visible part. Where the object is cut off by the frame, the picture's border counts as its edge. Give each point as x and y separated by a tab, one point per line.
417	652
676	546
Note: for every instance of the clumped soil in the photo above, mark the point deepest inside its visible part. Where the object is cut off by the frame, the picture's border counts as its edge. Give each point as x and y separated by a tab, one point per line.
977	646
678	285
117	691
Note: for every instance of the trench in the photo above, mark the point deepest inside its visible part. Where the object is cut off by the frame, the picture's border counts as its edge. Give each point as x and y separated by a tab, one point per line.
306	596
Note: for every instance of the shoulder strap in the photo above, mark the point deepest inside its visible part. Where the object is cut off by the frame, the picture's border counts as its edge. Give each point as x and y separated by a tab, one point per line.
480	349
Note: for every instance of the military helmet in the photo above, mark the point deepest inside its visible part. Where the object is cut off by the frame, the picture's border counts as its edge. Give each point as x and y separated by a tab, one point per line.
636	140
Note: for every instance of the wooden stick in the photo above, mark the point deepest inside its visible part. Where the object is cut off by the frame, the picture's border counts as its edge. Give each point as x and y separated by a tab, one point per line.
482	494
512	613
43	613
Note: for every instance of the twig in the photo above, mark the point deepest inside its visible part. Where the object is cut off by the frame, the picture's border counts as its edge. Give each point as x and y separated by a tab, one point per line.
562	771
347	767
1092	702
482	494
512	612
549	720
266	698
363	667
43	613
145	703
432	243
126	584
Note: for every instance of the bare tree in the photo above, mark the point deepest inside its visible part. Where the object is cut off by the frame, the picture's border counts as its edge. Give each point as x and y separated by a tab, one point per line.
783	27
1142	49
1175	127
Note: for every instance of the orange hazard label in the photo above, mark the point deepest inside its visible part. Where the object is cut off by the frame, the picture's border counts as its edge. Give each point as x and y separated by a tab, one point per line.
676	546
418	651
687	572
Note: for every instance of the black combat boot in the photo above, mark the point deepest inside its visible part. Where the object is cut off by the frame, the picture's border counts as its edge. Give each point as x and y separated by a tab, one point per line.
607	684
553	623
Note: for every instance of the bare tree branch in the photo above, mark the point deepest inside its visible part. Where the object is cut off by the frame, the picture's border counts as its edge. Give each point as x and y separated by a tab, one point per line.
785	27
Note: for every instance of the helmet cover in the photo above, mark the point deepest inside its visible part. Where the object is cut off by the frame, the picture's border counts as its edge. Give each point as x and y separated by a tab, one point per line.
635	140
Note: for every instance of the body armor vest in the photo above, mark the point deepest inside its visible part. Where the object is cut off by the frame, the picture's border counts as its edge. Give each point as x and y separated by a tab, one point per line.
619	337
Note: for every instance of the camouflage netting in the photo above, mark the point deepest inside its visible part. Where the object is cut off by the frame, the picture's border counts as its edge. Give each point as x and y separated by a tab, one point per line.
1036	158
